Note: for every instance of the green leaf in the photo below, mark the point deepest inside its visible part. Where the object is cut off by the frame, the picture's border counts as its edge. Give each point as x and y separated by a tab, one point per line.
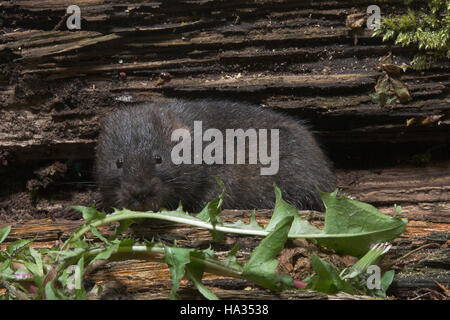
31	267
281	211
252	225
401	90
370	258
36	268
38	259
52	294
398	209
210	213
351	226
105	254
64	276
357	224
80	292
4	233
326	278
194	273
18	245
386	280
126	243
62	255
5	264
177	259
231	261
122	227
89	213
262	263
97	233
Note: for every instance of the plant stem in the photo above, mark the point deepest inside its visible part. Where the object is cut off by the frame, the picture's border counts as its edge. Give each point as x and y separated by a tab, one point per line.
139	215
190	221
149	253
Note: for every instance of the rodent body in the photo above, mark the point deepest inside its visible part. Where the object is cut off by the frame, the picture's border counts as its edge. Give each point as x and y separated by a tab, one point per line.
135	170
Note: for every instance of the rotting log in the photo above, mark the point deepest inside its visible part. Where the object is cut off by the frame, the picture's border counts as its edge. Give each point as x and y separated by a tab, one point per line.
151	280
420	256
297	57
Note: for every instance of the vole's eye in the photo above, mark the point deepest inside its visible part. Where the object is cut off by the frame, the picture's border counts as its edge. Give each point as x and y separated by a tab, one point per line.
119	163
158	159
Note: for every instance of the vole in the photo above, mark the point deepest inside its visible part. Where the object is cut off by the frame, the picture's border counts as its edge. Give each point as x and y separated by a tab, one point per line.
154	155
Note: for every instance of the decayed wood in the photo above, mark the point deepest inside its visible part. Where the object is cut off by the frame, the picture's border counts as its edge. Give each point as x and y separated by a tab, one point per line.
152	280
425	205
280	54
299	57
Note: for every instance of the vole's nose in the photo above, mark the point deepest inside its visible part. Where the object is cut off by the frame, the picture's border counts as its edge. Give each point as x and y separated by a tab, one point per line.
136	197
140	192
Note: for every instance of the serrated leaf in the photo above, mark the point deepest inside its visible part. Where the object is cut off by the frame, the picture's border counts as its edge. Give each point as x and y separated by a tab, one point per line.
252	225
282	210
262	263
122	227
68	254
210	213
89	213
231	261
97	233
326	278
351	226
194	273
177	259
105	254
244	226
300	226
17	246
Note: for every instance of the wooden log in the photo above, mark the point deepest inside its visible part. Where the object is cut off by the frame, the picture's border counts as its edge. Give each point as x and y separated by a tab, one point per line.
149	280
298	57
419	256
284	54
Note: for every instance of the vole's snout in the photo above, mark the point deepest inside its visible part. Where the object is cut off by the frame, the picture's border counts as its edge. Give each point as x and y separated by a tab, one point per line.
141	197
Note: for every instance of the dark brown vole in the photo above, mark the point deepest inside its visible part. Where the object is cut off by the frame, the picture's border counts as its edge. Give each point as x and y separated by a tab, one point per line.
135	165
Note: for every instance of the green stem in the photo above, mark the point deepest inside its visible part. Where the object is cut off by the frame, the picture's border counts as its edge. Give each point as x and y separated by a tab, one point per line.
159	216
197	223
147	253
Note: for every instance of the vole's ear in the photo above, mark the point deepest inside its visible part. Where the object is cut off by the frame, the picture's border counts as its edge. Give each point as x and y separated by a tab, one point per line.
175	122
